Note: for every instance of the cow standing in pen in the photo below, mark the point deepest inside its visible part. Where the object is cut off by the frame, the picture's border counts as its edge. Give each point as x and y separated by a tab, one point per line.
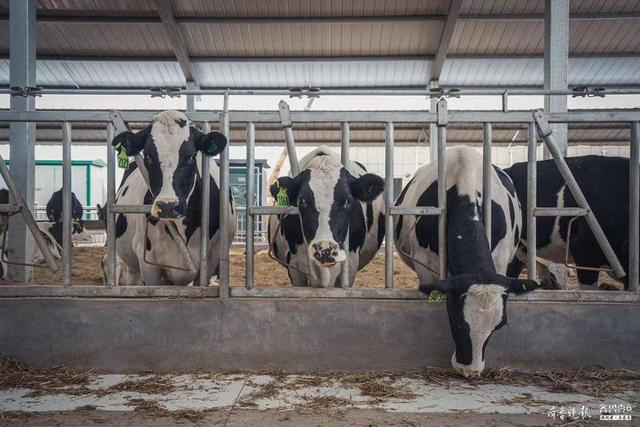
476	289
332	200
605	184
172	151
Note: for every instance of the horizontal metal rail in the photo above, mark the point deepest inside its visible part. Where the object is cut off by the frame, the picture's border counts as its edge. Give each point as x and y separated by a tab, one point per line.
413	116
398	91
560	211
130	209
416	210
273	210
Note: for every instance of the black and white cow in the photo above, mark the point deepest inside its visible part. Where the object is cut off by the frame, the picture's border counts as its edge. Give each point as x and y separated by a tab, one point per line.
605	183
477	289
172	151
331	199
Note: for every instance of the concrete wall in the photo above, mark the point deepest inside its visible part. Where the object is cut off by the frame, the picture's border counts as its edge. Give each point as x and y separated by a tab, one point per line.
187	335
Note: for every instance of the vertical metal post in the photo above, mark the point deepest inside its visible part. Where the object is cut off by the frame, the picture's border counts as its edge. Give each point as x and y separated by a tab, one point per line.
486	180
388	203
556	64
22	136
344	156
442	186
112	280
433	132
505	101
285	119
204	220
223	267
66	202
634	207
251	188
531	202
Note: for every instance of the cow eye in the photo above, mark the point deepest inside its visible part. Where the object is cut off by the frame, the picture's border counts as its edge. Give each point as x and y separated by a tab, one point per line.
302	204
346	203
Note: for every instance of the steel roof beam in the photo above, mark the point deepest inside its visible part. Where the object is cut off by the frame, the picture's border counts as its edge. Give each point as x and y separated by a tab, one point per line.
179	46
306	20
445	39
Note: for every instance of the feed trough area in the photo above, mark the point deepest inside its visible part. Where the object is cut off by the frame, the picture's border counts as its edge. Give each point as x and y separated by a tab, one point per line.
388	213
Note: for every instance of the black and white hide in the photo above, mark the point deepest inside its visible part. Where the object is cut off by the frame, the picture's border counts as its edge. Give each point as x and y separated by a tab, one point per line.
172	151
604	181
477	289
331	200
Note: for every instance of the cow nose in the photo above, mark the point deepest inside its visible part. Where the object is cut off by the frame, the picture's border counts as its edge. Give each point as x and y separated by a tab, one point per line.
469	373
166	209
325	252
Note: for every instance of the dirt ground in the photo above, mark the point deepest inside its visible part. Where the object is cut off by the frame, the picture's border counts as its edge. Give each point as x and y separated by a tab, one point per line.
87	270
268	418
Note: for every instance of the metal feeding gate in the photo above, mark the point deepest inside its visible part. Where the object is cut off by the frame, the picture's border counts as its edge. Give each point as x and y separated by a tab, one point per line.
441	118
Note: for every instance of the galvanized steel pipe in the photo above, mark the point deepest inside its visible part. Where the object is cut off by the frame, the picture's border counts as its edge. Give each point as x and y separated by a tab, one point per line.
634	207
388	203
224	205
250	201
486	179
67	217
205	174
442	123
531	202
111	200
344	156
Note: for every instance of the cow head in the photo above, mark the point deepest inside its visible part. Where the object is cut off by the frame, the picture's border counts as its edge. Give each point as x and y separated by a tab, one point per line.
476	307
325	193
170	146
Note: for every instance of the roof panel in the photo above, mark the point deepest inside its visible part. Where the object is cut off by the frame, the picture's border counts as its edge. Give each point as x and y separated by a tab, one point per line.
102	40
313	73
502	6
492	72
304	39
97	7
601	36
498	37
263	8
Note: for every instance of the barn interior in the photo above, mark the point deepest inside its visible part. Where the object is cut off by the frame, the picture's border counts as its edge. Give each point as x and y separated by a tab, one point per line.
66	66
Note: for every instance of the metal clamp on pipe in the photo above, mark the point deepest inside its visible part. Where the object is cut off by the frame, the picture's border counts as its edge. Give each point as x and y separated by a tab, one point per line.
163	92
25	92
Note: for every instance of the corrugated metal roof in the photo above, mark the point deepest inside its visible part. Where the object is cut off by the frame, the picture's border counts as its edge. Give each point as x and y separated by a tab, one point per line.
303	39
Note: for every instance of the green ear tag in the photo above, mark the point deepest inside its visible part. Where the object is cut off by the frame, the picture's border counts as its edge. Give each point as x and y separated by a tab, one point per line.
123	158
283	197
437	296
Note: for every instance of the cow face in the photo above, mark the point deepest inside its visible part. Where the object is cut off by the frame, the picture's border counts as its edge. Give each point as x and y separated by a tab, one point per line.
476	307
325	194
170	146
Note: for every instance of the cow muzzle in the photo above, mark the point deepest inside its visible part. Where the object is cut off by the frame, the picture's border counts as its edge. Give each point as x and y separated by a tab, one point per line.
326	253
167	209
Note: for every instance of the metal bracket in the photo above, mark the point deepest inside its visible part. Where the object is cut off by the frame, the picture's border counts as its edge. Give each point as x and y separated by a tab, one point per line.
299	92
442	115
26	91
544	129
438	92
163	92
285	114
589	92
118	123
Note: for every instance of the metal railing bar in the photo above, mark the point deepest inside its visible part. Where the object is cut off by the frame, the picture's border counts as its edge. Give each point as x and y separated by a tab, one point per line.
559	212
273	210
388	203
112	280
442	124
130	209
487	174
223	265
205	174
344	157
531	202
415	210
66	203
251	184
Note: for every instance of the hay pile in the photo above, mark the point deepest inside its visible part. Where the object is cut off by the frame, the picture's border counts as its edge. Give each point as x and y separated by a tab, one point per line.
17	374
153	384
378	386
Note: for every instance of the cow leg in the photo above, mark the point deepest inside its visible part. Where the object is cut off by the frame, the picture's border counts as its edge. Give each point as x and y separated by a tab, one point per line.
297	279
551	276
588	279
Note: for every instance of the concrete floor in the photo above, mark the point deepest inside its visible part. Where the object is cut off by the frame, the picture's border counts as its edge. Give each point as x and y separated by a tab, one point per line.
296	399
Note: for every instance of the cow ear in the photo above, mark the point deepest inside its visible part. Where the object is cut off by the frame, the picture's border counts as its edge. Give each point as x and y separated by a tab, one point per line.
367	187
445	286
212	143
520	286
286	182
133	143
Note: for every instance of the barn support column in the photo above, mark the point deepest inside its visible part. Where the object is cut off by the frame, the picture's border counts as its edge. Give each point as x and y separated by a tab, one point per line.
22	136
433	132
556	62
